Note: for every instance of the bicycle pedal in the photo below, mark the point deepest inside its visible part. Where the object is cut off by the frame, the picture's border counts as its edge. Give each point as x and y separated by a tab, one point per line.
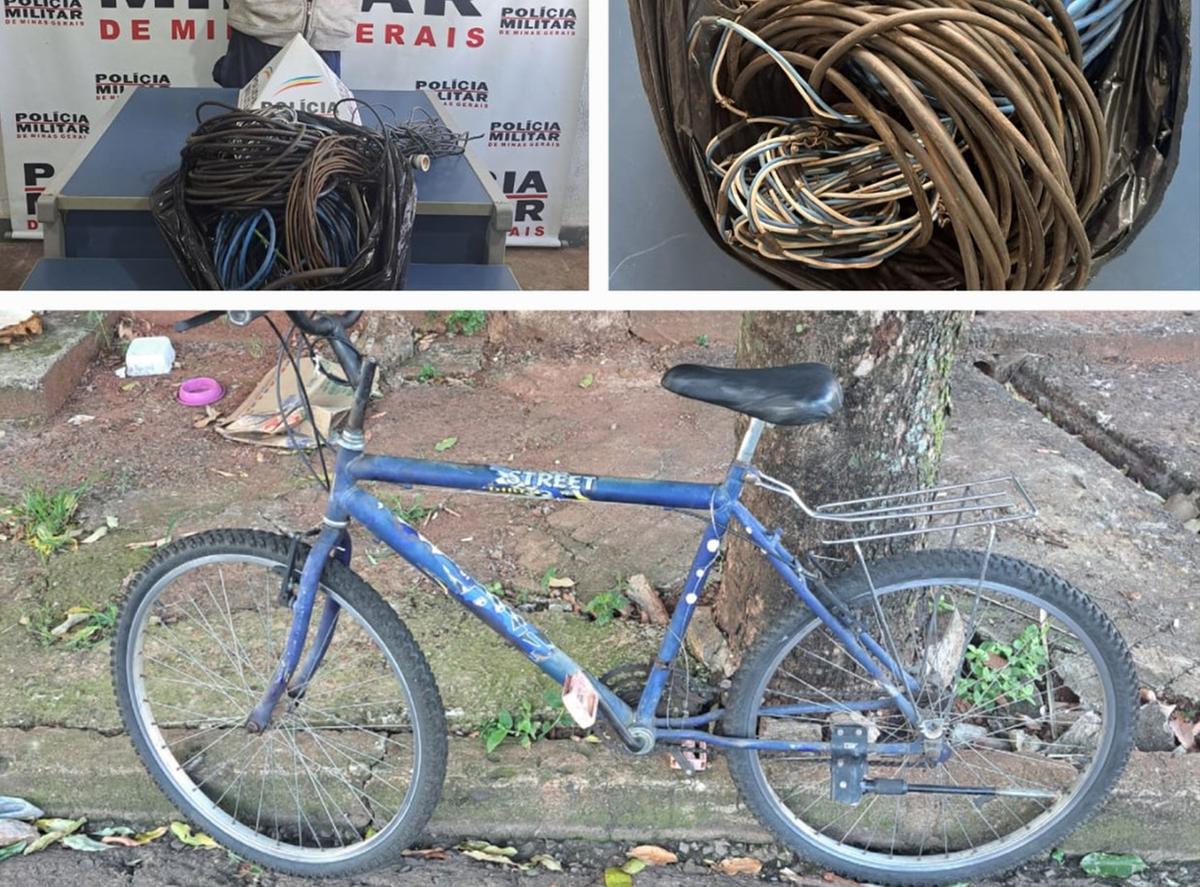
580	699
690	755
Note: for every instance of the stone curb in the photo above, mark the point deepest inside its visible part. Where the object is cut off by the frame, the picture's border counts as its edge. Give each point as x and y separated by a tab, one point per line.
564	790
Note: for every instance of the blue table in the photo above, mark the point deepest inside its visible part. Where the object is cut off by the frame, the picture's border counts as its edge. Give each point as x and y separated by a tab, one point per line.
161	274
99	207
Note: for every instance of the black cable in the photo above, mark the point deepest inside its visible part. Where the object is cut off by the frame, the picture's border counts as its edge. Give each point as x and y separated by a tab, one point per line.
285	349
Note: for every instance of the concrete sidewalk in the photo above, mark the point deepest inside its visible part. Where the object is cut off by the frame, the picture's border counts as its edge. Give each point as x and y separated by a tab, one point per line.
60	738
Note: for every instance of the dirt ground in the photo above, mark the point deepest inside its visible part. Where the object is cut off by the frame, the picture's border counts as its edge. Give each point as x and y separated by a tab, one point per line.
172	865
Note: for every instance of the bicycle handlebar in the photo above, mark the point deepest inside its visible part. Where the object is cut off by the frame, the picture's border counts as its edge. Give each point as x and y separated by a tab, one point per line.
317	323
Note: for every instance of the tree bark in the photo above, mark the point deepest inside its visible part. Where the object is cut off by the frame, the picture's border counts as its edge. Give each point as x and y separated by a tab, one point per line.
894	368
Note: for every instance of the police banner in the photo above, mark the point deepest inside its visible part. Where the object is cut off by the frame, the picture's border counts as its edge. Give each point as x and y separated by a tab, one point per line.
508	73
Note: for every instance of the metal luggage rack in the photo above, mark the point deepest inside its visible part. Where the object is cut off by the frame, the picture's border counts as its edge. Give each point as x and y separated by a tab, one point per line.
947	508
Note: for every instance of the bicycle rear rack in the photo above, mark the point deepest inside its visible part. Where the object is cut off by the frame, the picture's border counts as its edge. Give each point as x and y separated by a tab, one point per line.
946	508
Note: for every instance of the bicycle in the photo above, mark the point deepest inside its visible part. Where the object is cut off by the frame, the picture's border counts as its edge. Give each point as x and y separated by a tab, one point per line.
919	718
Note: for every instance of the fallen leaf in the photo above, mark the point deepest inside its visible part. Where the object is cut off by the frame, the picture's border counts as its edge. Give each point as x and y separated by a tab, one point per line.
14	831
43	842
1184	730
210	415
834	878
652	854
119	841
11	850
153	543
79	419
632	866
1112	865
546	862
445	443
996	662
96	535
58	631
114	830
739	865
560	582
489	857
429	853
586	381
614	877
485	847
788	876
84	843
66	826
129	386
153	835
184	833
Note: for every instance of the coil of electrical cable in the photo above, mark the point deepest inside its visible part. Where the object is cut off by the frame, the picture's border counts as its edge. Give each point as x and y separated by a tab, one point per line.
284	199
956	142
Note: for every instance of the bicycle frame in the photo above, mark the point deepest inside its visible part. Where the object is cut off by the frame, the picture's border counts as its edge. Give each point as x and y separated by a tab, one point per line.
722	503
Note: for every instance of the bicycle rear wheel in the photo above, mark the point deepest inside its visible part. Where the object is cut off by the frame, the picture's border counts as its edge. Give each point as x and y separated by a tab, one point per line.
345	777
1034	688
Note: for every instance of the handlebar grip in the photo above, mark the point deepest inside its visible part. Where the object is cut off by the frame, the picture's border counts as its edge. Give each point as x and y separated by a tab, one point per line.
244	318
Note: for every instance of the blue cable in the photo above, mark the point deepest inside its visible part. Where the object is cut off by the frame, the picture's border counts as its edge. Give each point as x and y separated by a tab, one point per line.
235	237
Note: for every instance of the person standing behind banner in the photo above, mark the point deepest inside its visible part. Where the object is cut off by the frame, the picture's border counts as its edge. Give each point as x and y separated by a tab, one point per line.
260	28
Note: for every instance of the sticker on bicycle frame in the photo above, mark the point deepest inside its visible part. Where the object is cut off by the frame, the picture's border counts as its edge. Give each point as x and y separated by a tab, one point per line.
580	699
542	484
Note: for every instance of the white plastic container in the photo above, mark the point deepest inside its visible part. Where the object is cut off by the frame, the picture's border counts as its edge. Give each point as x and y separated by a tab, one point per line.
149	356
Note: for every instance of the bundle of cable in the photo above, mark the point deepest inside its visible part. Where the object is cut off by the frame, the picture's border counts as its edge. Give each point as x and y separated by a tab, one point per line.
954	142
280	199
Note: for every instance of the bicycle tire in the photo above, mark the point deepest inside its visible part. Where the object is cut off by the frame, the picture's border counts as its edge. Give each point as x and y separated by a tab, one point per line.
360	599
1118	681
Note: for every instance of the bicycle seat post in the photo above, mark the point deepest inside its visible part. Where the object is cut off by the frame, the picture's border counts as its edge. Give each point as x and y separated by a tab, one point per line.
750	441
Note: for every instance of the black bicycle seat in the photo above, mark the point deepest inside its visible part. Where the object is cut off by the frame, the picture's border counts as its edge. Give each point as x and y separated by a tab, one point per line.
799	394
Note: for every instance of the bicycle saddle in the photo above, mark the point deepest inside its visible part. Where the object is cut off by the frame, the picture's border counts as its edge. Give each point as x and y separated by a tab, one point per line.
799	394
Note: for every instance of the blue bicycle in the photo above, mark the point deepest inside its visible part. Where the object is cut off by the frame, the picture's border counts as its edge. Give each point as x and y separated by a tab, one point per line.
919	718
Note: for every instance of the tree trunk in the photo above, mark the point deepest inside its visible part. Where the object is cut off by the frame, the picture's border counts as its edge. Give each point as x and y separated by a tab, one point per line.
894	368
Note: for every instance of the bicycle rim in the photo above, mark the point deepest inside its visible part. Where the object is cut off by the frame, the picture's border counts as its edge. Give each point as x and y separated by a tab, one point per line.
1055	743
332	777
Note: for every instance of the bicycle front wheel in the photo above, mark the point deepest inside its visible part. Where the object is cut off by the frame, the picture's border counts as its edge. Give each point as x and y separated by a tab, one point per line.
1026	685
345	776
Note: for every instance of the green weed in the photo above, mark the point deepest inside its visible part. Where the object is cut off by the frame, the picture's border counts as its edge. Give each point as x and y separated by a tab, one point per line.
524	724
414	512
999	674
429	373
607	605
466	323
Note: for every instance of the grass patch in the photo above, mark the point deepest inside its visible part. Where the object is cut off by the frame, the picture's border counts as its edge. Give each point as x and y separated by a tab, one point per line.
44	517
